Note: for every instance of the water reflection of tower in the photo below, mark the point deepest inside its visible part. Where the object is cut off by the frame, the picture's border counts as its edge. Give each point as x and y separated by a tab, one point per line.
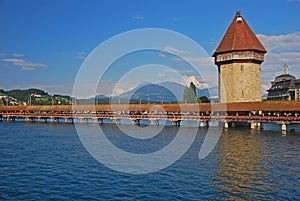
240	168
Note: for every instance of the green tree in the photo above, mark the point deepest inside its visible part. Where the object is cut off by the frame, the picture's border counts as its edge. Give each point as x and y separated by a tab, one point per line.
203	99
193	88
189	94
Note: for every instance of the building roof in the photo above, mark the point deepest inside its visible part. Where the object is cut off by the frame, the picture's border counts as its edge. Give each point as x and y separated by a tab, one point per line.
239	36
282	83
281	78
282	86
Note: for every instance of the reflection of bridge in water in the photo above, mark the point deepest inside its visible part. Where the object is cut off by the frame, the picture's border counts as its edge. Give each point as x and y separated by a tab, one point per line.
254	114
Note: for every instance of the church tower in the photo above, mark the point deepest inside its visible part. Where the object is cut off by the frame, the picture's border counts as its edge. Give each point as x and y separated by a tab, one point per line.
238	57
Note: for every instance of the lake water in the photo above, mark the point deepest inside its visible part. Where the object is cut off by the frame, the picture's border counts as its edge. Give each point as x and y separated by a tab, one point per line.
44	161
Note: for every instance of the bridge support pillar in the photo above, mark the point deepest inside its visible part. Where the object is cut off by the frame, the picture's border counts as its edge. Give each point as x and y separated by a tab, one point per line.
71	119
283	126
226	124
260	125
116	121
154	122
204	124
175	123
233	124
100	120
256	125
292	128
253	125
138	122
135	122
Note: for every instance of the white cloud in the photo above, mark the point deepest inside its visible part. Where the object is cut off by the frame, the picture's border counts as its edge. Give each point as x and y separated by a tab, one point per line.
114	88
25	65
275	61
162	55
13	60
27	68
282	49
118	91
180	71
199	83
173	50
208	61
18	55
138	17
81	55
281	43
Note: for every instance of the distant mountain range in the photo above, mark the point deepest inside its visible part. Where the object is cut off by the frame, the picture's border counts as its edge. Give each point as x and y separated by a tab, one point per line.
166	92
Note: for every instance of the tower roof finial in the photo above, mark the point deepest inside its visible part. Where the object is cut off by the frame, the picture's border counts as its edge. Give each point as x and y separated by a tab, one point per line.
285	69
238	13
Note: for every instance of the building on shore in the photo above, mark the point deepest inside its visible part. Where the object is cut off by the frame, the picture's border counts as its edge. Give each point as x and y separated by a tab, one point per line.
284	87
238	57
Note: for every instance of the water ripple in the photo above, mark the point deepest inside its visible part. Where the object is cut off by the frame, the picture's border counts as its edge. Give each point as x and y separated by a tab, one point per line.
48	162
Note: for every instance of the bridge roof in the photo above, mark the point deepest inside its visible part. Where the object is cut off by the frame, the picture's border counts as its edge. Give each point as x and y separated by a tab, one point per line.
204	107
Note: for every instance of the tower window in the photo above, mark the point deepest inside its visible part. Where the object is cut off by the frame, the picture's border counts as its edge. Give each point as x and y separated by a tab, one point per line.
242	67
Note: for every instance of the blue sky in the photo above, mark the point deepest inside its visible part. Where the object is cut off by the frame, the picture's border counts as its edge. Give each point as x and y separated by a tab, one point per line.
44	42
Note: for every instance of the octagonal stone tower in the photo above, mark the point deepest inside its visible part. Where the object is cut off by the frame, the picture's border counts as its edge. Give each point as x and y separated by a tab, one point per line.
238	57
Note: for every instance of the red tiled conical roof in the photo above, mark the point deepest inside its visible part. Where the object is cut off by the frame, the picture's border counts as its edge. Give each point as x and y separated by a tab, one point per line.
239	36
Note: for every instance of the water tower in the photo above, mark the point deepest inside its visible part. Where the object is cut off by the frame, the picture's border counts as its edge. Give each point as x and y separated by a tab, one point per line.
238	57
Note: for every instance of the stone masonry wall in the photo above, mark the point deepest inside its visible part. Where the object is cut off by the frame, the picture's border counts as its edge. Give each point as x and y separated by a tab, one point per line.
239	82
